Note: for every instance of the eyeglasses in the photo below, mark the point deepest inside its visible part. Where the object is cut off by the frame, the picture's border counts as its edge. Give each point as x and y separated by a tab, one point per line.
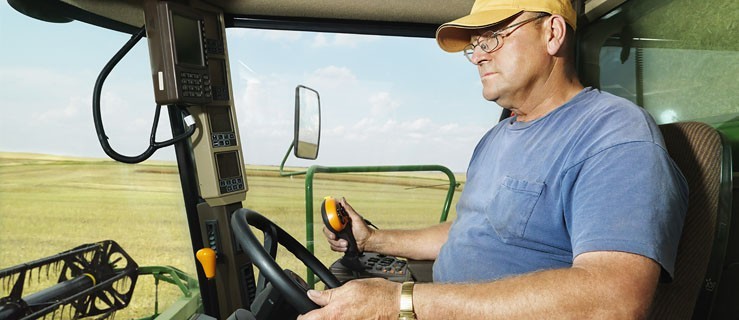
491	40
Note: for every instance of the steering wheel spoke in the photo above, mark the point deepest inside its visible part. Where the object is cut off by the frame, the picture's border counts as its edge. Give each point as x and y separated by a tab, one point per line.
264	256
270	245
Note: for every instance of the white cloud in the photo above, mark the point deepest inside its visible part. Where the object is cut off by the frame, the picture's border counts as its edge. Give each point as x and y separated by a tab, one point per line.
332	77
341	40
358	115
319	41
33	77
352	40
271	35
418	124
408	141
278	35
61	102
64	114
388	126
238	32
382	103
450	127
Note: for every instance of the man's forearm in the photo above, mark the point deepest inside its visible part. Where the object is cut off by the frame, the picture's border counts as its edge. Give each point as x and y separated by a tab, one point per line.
420	244
612	289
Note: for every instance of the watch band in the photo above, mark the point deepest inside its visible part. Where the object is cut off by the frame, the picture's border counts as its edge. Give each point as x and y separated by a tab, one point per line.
406	302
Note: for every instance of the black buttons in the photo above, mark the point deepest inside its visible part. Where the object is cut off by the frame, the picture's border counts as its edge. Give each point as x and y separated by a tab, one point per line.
223	139
229	185
195	85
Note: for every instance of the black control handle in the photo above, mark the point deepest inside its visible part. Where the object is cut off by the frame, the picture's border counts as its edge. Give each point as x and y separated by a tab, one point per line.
338	221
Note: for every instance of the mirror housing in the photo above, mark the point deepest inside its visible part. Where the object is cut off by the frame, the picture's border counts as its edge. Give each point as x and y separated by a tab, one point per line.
307	123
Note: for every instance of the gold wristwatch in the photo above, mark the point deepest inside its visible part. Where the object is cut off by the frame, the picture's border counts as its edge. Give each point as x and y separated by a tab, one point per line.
406	302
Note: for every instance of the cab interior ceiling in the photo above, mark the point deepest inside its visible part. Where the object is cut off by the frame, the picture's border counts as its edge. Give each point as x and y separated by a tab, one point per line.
416	18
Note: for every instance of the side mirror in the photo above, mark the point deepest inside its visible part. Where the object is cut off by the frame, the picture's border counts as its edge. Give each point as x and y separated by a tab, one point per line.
307	123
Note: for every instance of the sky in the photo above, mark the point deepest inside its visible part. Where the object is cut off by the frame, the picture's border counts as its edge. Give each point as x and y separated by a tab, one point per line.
384	100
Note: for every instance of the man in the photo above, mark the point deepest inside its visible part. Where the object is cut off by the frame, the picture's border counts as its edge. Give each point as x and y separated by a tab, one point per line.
572	207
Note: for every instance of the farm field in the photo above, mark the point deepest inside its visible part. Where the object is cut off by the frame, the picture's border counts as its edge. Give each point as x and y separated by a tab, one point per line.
49	204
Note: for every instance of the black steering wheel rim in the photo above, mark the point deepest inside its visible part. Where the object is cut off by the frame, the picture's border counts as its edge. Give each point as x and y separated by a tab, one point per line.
240	221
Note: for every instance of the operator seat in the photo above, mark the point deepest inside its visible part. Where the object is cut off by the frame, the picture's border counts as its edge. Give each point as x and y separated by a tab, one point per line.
704	157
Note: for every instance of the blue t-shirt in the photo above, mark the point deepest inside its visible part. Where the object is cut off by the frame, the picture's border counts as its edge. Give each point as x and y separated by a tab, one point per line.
592	175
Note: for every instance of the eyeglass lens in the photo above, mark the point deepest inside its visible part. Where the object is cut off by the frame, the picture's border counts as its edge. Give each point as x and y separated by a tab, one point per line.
488	42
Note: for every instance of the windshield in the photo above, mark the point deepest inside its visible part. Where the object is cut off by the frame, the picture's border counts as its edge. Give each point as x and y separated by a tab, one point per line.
384	100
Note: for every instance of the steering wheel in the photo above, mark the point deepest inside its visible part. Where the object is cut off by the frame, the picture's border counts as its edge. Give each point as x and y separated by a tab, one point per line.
294	294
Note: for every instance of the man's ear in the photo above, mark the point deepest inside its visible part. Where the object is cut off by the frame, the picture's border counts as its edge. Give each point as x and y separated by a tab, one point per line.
556	30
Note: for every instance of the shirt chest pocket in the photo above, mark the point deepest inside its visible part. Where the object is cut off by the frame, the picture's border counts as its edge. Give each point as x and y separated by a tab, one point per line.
512	206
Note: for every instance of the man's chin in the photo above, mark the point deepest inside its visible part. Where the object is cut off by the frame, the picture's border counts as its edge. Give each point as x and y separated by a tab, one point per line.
490	96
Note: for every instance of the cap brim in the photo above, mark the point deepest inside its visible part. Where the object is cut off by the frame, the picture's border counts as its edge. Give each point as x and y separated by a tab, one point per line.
454	36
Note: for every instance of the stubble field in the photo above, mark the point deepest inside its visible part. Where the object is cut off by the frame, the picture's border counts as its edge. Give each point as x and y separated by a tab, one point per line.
50	204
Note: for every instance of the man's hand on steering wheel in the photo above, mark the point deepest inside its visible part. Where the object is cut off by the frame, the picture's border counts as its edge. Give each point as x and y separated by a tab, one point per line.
372	298
293	293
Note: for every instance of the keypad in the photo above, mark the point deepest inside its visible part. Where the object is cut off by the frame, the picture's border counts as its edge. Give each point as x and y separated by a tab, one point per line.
375	265
223	139
195	85
386	265
229	185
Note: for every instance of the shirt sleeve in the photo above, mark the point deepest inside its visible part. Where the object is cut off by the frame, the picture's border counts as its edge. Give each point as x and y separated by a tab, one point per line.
630	197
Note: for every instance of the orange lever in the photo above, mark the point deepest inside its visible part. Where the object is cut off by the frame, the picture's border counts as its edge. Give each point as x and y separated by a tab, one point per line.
207	258
334	215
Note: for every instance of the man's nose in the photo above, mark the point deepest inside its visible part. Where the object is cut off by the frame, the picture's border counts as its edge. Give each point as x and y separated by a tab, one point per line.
479	55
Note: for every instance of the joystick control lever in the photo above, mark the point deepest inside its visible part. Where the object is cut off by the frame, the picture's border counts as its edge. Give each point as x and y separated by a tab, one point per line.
338	221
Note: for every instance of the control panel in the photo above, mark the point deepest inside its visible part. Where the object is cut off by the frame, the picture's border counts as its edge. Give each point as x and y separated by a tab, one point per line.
190	68
189	65
178	50
374	265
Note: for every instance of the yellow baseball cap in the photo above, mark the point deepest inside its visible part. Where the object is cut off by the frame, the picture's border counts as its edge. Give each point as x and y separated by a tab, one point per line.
454	36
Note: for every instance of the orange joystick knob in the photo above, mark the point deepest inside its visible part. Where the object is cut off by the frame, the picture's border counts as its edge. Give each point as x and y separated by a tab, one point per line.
337	220
207	258
334	215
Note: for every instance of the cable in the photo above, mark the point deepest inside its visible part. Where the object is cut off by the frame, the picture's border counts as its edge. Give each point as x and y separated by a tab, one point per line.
97	117
369	223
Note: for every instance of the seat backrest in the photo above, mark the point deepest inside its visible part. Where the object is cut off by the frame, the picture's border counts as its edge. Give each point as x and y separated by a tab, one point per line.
704	158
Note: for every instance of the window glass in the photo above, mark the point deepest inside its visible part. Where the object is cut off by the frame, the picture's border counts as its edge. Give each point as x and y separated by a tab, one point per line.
384	100
676	59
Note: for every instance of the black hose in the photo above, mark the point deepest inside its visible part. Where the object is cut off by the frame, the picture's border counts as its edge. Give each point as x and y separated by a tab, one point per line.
97	117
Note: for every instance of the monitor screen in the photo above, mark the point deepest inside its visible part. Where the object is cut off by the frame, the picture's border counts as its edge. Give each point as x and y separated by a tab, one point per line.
187	40
217	72
220	119
228	164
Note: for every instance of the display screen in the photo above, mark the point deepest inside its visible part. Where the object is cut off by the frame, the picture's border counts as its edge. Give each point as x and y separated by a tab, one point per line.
187	40
217	72
228	164
220	119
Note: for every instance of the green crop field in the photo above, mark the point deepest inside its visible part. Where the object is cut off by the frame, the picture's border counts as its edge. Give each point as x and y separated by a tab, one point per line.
51	204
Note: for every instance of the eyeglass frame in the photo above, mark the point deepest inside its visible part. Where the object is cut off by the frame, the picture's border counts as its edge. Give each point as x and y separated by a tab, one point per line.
469	49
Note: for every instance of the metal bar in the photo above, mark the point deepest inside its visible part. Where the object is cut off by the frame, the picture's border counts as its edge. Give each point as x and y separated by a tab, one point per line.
78	296
309	238
389	28
309	219
191	196
190	301
282	164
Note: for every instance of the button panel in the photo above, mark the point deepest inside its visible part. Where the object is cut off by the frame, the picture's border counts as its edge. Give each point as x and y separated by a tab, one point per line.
223	139
195	85
375	266
229	185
